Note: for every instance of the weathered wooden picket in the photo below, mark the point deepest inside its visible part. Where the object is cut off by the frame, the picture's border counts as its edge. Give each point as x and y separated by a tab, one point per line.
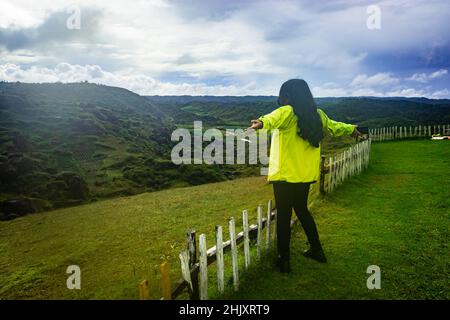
344	165
406	132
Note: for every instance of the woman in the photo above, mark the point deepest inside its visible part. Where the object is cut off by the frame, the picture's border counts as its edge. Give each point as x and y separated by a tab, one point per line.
294	162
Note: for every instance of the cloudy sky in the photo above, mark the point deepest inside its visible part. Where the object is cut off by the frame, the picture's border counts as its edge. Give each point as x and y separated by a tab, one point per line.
231	47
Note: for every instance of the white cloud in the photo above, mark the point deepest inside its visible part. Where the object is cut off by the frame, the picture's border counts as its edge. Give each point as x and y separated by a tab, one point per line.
141	84
439	73
377	85
379	79
259	42
408	92
441	94
146	85
319	91
426	77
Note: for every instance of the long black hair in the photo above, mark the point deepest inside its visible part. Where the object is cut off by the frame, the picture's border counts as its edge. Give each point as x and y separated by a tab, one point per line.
296	93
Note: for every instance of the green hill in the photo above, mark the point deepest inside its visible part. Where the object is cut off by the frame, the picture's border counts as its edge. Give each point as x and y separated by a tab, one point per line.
64	143
365	111
68	144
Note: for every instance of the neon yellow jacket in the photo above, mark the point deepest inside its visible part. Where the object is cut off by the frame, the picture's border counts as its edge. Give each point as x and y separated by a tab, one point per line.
292	158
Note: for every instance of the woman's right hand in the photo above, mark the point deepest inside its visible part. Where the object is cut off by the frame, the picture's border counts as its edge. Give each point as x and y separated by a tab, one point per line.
256	124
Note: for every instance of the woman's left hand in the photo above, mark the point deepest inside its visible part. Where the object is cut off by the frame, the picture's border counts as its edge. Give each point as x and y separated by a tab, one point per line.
356	133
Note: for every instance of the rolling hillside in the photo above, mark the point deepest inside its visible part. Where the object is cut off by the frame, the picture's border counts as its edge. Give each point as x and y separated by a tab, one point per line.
364	111
116	242
64	143
67	144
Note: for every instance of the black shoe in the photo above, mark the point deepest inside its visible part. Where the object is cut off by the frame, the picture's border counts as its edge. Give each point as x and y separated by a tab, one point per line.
283	265
317	255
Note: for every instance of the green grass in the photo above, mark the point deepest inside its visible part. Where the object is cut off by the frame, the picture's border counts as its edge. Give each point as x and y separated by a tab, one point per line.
394	215
115	242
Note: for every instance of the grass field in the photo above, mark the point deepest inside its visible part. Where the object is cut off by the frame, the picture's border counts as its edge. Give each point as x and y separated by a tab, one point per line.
116	243
394	215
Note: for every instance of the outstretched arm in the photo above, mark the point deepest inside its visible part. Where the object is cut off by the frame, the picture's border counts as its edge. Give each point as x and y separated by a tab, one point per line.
336	128
277	119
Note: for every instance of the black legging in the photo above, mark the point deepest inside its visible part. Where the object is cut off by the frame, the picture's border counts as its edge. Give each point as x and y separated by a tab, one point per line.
288	196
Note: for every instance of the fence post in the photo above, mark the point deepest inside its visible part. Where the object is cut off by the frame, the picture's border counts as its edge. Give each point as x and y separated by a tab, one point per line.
246	239
144	290
203	268
322	175
185	270
347	161
219	258
234	260
259	236
330	174
165	281
335	171
274	232
269	217
192	251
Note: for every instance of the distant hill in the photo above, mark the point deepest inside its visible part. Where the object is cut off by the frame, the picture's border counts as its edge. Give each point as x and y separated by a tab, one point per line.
65	144
365	111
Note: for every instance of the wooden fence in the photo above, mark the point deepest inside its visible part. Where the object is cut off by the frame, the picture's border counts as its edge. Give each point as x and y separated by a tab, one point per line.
195	270
402	132
194	263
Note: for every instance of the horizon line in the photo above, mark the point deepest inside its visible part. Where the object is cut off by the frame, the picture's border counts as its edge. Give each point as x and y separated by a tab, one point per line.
236	96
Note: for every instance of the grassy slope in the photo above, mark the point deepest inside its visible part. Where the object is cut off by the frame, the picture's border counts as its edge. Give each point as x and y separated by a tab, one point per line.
116	242
395	215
